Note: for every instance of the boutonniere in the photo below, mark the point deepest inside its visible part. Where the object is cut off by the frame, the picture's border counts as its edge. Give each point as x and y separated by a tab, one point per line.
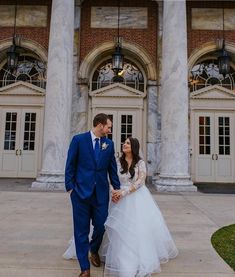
104	145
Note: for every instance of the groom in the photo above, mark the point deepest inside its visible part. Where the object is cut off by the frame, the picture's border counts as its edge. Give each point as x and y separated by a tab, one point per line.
89	163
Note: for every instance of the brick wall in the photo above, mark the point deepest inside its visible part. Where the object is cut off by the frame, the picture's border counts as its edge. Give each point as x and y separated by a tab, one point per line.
198	37
40	35
147	38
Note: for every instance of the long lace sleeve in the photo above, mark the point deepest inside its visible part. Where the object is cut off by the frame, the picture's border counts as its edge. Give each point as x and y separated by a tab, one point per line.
141	175
140	181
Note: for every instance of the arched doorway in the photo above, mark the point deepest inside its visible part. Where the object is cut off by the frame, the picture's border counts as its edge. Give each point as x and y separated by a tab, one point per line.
212	117
21	112
124	101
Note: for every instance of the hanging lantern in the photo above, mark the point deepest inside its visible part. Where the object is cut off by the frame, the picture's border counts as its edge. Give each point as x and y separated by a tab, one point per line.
12	54
12	57
117	60
224	59
224	62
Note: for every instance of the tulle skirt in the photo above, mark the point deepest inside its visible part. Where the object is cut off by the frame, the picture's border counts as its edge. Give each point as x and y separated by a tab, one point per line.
137	239
70	252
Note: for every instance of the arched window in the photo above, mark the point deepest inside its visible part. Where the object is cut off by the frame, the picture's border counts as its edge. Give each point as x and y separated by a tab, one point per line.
131	74
206	73
29	69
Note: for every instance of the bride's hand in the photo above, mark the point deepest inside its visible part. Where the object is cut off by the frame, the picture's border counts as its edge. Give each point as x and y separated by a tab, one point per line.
116	195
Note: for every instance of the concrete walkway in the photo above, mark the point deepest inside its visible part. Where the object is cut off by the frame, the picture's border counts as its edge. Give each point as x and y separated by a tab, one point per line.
35	228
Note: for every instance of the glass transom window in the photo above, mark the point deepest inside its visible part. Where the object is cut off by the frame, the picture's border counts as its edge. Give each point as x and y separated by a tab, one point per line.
131	74
29	70
206	74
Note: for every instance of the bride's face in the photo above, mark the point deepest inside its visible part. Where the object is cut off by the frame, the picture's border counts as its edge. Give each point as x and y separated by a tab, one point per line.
126	147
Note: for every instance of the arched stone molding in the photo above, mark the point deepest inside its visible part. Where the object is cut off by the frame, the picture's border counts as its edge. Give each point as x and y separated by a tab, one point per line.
106	48
207	48
31	45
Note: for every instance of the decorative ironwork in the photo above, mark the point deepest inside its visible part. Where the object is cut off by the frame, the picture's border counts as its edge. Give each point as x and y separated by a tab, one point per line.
207	74
131	74
28	69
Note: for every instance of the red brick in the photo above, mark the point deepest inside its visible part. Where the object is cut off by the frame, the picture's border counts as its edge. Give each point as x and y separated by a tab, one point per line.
91	37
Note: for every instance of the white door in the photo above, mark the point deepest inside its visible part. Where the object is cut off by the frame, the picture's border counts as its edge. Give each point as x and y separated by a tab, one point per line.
214	153
124	125
224	158
19	142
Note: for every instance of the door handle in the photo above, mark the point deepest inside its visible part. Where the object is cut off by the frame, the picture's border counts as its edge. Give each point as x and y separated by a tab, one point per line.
214	157
18	152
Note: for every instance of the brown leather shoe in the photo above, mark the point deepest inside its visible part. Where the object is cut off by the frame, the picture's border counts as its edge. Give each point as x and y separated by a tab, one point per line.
95	259
85	273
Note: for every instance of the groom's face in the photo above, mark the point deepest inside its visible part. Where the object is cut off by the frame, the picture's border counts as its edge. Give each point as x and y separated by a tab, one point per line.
107	128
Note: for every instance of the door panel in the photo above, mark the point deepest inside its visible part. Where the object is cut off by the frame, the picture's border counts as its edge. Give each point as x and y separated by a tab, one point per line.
214	157
113	116
124	125
204	146
10	138
20	138
127	127
224	148
29	143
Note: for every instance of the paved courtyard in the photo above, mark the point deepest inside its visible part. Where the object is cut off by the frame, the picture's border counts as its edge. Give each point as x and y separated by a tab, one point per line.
36	227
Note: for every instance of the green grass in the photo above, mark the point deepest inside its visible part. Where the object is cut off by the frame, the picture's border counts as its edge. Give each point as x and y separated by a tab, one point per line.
223	240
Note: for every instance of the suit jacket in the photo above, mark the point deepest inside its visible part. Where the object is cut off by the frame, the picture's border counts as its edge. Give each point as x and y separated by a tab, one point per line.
84	174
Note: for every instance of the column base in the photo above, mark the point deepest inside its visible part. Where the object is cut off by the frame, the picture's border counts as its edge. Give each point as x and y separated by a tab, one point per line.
174	183
49	182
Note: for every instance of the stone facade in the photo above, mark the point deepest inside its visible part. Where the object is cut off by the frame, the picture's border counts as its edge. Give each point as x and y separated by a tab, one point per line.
160	44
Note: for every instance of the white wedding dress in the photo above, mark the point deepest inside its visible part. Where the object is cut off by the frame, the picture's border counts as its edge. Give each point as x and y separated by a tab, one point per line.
137	239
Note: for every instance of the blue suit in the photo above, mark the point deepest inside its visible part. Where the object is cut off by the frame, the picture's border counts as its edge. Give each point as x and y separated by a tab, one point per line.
90	196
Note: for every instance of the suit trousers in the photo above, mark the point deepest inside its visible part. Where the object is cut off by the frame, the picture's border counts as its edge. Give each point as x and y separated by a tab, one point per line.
84	212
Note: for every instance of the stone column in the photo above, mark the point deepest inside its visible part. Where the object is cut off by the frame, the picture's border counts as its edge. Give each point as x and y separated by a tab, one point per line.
152	130
174	174
57	118
79	103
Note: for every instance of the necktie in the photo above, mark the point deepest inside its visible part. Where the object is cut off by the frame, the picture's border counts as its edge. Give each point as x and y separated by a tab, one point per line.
97	149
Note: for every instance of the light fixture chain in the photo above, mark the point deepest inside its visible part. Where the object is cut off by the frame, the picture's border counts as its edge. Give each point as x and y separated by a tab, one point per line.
15	21
118	36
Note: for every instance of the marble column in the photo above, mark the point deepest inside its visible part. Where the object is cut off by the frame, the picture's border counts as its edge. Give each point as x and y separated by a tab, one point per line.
80	103
57	118
80	87
152	130
174	174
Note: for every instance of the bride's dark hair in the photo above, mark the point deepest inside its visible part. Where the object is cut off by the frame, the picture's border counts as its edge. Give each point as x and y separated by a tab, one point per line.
135	148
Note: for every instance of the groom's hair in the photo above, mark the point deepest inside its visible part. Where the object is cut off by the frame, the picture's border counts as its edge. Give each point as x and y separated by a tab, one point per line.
100	118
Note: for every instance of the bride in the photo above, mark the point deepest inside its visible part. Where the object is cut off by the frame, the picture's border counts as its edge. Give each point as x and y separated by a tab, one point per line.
137	239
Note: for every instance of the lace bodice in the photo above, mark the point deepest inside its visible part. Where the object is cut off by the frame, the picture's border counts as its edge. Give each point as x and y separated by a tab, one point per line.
128	185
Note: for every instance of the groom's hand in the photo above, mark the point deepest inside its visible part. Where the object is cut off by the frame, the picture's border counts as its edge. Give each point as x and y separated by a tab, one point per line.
70	191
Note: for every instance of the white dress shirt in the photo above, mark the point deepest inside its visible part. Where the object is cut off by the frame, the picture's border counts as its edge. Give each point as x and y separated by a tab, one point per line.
93	137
